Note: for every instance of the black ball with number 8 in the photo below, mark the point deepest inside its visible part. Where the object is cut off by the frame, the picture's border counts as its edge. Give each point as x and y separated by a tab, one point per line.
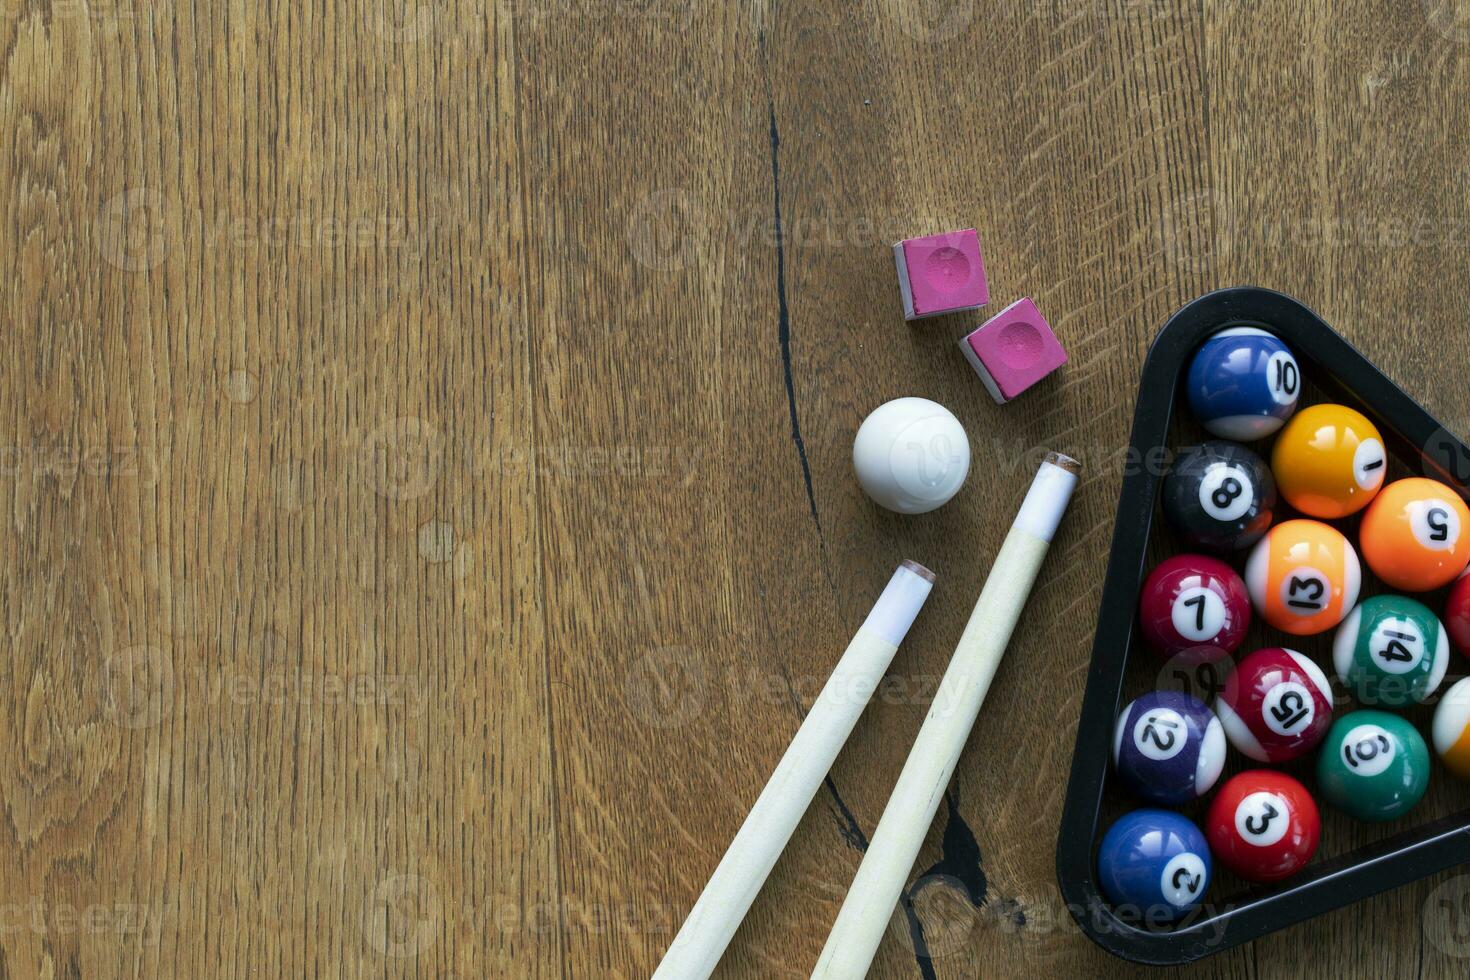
1219	496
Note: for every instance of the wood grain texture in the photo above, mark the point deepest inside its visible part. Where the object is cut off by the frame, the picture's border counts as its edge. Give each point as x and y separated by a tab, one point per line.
427	496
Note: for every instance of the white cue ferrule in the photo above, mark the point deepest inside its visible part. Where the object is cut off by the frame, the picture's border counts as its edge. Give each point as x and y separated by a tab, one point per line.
1047	499
899	605
732	888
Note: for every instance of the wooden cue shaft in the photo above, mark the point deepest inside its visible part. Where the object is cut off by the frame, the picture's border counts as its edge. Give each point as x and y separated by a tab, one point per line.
722	905
866	911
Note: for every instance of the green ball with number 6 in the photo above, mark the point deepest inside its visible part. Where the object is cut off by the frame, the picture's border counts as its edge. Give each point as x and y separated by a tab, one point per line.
1391	651
1373	766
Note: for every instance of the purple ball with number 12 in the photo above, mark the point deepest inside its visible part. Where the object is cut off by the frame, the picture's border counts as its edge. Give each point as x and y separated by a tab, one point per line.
1169	748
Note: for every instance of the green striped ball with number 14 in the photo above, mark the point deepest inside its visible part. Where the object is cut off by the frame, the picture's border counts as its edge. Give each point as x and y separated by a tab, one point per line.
1391	651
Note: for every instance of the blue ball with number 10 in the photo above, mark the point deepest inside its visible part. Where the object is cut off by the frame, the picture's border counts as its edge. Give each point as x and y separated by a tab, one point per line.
1243	384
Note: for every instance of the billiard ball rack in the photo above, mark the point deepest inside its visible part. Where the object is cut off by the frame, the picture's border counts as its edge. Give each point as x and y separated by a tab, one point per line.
1412	434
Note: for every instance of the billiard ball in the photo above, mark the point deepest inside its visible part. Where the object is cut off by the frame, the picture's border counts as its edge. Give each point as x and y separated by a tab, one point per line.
1451	728
911	455
1373	766
1276	706
1219	496
1154	862
1243	383
1263	825
1168	748
1303	577
1457	613
1194	604
1329	461
1391	651
1416	534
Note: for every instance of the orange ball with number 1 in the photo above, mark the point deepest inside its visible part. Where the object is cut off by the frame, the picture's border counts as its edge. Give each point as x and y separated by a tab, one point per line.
1329	461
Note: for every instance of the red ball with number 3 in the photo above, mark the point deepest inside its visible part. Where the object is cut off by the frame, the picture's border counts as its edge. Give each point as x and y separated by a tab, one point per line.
1276	706
1195	605
1263	825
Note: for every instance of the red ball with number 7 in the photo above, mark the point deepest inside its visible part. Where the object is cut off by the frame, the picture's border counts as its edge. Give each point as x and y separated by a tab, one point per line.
1194	605
1276	706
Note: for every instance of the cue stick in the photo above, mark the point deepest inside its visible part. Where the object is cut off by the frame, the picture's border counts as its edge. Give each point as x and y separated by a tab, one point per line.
741	872
866	911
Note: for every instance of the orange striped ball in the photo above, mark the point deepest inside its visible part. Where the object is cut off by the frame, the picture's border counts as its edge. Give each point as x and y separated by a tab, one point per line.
1303	577
1451	729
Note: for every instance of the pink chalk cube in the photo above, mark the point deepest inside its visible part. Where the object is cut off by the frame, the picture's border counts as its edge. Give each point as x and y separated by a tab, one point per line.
1013	350
941	274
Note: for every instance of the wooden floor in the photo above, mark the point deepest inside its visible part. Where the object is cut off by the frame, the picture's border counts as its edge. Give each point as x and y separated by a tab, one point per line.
427	493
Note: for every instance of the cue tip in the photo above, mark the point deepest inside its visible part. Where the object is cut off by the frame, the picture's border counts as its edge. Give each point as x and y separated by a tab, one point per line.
918	570
1065	462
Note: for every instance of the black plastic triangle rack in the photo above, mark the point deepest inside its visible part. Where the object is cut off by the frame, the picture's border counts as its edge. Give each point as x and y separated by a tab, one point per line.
1340	370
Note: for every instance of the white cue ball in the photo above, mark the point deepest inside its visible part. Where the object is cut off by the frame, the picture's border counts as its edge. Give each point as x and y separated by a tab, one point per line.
911	455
